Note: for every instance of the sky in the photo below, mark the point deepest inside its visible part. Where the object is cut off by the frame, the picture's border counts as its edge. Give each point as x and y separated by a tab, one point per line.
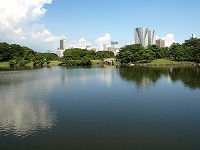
40	24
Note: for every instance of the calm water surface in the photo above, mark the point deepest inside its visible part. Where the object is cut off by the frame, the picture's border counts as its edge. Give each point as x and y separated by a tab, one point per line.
100	109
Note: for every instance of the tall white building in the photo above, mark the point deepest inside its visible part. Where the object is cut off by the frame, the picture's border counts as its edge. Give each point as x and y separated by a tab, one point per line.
106	47
114	47
144	36
151	37
62	48
141	36
62	44
193	35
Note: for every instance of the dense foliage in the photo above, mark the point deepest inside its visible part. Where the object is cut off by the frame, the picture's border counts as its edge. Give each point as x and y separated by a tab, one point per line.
135	53
77	56
18	55
189	50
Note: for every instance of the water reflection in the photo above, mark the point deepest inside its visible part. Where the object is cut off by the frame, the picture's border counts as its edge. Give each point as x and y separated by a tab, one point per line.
104	75
144	77
190	77
23	113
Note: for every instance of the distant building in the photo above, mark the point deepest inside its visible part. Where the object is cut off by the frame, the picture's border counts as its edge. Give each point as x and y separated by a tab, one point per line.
60	52
114	47
106	47
88	47
63	44
141	36
151	37
62	48
94	49
160	43
144	36
193	35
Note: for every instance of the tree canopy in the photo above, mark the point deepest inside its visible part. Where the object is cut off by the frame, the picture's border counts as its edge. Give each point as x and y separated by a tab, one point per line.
77	56
188	51
22	55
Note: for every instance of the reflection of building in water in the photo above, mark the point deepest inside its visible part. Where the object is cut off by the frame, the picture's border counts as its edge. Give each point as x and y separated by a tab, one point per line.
106	75
145	83
21	116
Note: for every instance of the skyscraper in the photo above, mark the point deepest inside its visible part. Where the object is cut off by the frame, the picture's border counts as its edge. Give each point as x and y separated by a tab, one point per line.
141	36
151	37
160	43
193	35
62	44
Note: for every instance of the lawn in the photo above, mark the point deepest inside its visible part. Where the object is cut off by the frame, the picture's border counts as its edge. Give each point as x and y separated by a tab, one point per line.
4	64
53	63
170	62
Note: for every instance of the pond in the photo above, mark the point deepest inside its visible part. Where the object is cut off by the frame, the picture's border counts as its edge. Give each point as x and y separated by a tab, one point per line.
143	108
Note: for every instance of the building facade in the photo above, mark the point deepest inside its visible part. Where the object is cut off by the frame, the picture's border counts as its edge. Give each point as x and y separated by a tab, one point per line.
144	36
62	48
63	44
114	47
193	35
160	43
141	36
151	37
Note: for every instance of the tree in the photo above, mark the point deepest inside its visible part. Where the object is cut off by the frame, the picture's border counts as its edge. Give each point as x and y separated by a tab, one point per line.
192	47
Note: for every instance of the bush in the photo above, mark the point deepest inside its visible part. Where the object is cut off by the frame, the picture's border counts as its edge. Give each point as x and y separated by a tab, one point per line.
12	63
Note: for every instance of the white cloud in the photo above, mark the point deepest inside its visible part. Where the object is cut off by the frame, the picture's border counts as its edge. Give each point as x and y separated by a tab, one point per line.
19	24
100	41
169	39
82	43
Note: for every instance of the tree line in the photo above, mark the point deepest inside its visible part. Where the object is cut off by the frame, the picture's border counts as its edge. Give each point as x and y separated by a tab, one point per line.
188	51
83	57
135	53
21	55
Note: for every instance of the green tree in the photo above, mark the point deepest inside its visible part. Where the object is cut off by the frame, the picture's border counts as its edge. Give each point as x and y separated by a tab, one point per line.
192	47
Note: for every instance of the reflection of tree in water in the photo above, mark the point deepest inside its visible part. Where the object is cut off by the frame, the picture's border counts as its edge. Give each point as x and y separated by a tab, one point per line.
190	76
147	76
143	76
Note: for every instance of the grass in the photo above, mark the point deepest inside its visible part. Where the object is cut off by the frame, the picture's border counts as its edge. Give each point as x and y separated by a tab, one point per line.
94	62
4	64
170	62
53	63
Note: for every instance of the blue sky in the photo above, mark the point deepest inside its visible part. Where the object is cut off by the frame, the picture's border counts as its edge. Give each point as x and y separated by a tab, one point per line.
95	22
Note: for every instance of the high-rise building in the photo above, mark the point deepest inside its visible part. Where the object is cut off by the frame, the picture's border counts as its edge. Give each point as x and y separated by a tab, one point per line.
105	47
144	36
151	37
160	43
141	36
62	44
114	47
62	48
193	35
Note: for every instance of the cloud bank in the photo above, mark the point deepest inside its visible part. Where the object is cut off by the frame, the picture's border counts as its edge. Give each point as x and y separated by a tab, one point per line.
19	23
99	42
82	43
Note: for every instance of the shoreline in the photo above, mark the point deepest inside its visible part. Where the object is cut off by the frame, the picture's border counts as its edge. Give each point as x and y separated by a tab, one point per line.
99	62
164	65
